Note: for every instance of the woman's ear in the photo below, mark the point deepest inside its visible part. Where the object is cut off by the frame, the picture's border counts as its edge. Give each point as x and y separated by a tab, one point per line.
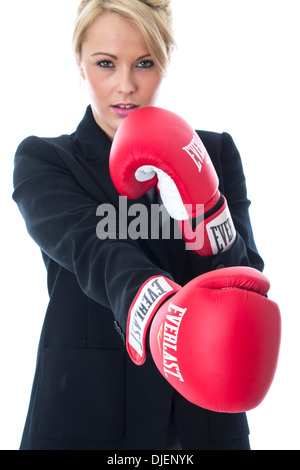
81	69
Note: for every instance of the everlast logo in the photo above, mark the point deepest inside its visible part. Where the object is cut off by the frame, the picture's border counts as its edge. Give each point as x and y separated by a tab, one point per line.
197	152
223	235
143	307
221	232
170	338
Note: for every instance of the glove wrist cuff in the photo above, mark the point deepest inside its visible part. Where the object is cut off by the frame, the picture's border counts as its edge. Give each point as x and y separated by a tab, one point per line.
149	298
214	231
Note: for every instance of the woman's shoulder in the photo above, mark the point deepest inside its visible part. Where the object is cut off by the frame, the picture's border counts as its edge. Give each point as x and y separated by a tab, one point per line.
36	143
220	145
45	149
216	139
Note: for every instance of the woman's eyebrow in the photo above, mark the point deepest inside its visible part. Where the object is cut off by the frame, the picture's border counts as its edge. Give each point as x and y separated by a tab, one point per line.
143	56
104	53
115	57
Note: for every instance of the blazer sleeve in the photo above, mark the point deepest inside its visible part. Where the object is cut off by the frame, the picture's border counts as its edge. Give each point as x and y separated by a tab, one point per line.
229	167
60	216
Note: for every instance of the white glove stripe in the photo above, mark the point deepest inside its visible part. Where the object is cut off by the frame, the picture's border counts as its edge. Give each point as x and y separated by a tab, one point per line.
167	188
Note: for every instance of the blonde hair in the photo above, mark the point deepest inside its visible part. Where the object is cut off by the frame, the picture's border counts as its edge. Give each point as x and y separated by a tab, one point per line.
152	17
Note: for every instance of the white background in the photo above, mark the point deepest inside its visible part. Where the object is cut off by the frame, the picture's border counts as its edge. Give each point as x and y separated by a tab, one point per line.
236	69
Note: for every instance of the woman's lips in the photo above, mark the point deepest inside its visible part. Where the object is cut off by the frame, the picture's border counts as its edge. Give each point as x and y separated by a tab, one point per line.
123	110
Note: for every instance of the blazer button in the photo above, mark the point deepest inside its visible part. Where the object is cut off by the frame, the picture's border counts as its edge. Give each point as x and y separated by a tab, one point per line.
220	266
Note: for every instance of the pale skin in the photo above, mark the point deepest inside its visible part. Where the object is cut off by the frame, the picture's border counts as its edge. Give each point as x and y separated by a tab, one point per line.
120	73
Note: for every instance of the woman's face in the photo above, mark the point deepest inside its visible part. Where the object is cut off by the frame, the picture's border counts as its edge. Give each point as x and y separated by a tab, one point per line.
119	70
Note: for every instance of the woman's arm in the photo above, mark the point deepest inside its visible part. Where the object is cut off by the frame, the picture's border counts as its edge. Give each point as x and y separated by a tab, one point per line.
60	216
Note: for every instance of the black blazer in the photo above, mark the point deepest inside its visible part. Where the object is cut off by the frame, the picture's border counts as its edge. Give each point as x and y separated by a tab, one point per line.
87	394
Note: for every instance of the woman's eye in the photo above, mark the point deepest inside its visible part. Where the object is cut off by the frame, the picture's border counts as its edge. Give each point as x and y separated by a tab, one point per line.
106	64
146	64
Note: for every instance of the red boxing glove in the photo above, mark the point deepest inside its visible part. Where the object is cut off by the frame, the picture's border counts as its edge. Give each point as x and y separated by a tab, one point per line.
156	147
217	340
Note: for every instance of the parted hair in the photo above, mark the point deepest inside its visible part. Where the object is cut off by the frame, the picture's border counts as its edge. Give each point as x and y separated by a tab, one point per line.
152	17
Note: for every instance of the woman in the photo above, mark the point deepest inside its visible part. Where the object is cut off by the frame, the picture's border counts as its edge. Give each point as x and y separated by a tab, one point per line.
87	393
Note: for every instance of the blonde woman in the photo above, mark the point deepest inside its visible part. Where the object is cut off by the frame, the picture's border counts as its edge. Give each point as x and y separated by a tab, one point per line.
87	393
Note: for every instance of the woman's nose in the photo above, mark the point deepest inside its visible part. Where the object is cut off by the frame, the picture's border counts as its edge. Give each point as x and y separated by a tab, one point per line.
125	82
